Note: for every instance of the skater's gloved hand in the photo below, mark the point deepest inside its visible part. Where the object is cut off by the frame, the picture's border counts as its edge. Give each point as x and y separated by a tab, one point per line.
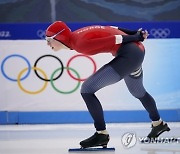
142	34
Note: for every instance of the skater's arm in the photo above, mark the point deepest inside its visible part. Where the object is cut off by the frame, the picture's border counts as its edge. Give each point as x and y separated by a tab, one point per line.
139	36
125	30
107	42
128	31
129	38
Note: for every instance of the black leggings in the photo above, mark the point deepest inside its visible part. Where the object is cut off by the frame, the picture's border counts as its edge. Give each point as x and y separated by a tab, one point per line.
126	65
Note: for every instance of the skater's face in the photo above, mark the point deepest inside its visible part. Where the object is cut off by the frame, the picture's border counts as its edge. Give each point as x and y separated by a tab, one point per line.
55	45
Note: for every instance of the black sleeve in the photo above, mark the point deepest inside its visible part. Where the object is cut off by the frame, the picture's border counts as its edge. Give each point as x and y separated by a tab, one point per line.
127	31
133	38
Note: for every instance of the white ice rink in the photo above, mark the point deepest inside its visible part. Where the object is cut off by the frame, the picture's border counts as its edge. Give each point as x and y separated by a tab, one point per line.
57	139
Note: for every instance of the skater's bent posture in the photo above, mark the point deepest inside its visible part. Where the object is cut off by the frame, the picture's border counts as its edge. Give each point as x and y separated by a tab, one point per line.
128	51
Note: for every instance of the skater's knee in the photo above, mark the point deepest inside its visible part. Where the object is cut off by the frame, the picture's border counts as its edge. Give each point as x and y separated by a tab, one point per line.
138	94
87	88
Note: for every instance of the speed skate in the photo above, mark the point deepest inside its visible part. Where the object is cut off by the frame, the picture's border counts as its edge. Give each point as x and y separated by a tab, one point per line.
92	143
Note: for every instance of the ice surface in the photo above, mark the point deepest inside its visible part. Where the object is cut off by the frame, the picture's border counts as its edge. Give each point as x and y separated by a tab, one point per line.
57	139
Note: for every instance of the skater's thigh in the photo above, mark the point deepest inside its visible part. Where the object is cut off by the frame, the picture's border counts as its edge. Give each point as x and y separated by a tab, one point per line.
134	83
105	76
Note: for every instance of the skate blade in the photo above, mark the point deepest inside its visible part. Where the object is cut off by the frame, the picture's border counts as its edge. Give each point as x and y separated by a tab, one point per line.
91	149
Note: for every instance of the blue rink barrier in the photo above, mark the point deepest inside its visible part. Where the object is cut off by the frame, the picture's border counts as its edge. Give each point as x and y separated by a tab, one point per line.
69	117
33	31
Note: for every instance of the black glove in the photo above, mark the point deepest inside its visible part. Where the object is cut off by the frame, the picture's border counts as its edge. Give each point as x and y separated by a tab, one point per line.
140	35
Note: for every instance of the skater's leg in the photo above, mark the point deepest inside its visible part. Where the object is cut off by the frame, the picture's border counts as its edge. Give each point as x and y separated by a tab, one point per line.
136	88
134	83
103	77
128	59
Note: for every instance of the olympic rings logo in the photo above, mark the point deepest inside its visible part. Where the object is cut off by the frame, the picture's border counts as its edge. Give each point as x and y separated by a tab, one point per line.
160	33
41	34
40	73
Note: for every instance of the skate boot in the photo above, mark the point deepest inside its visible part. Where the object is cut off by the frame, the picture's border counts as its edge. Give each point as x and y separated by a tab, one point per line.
158	130
96	140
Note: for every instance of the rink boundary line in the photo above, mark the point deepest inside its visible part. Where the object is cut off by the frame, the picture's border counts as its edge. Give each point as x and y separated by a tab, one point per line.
68	117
